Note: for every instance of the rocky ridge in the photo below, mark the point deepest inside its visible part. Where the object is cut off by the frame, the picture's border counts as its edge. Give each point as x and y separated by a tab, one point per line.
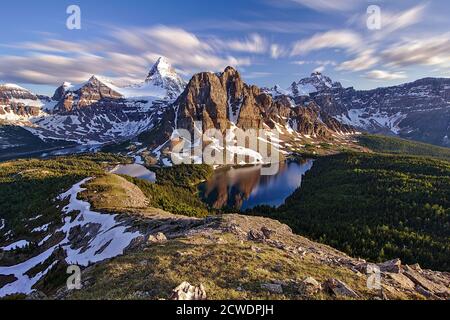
336	275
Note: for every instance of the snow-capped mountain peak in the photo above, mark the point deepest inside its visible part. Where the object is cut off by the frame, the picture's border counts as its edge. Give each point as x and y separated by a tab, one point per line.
163	75
315	83
67	85
162	69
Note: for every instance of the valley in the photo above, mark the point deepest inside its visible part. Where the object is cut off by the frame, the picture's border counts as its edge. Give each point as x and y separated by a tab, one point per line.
177	237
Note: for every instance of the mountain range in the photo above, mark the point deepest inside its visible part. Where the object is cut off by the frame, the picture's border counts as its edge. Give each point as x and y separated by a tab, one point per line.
99	111
138	235
418	111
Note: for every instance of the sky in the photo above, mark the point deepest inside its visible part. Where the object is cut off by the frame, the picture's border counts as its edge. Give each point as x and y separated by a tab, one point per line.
269	41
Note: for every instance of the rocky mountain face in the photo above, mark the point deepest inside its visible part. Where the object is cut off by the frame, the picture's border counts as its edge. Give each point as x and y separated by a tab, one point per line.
89	94
95	113
220	99
18	104
418	111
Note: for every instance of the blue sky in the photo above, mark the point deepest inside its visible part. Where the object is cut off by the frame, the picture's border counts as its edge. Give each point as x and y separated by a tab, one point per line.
269	41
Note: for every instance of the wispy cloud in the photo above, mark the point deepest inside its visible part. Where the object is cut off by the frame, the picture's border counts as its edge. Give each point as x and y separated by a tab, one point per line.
123	55
430	51
391	22
385	75
253	44
369	50
277	51
344	39
364	60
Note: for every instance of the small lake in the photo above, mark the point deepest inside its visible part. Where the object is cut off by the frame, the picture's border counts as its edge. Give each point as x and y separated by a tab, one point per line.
245	188
135	171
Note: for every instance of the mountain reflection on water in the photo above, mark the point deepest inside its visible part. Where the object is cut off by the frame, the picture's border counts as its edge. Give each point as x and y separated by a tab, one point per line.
245	188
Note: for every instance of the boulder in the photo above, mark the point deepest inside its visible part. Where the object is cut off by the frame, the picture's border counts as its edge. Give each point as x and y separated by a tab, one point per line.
426	284
339	289
256	249
392	266
157	238
255	235
401	280
309	287
272	288
416	267
186	291
267	232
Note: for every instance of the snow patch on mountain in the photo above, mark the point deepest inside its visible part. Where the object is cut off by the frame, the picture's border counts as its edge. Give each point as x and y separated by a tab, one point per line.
362	118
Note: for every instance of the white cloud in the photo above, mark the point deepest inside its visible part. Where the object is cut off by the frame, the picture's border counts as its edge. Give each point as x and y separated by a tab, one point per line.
431	51
385	75
391	22
276	51
364	60
345	39
122	55
254	44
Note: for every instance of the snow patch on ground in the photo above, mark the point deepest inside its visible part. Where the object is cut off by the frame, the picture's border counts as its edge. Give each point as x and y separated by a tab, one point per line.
41	228
112	236
16	245
108	239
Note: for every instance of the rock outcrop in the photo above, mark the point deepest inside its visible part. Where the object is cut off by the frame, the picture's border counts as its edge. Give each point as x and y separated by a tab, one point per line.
220	99
186	291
